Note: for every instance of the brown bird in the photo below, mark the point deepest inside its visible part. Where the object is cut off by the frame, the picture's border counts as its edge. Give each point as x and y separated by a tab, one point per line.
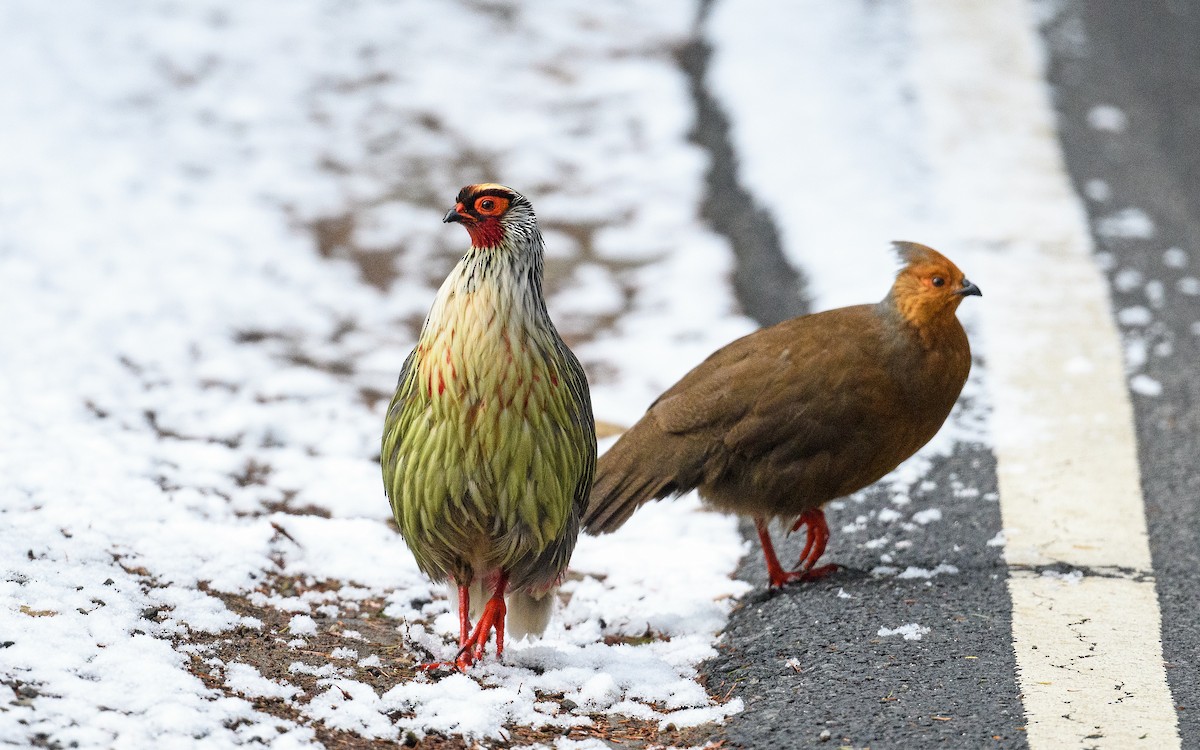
780	422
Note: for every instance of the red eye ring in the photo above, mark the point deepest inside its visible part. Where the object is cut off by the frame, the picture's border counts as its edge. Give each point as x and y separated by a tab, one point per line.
491	205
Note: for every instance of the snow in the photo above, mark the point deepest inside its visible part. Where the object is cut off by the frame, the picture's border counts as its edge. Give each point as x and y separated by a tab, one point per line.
1106	117
1134	316
245	679
1131	223
1174	257
910	632
1097	190
1071	577
1128	279
302	625
193	379
199	376
915	572
927	516
1145	385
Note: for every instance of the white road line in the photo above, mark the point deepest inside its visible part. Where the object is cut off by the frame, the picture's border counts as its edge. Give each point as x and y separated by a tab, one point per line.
1089	653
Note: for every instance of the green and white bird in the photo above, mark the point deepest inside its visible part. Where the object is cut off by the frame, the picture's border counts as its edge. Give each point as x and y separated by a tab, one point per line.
489	446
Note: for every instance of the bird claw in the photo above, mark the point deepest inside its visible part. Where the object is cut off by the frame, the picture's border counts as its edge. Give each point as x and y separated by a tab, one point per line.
472	648
814	544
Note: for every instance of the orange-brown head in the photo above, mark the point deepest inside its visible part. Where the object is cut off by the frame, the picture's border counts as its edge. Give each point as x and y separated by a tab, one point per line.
929	287
492	214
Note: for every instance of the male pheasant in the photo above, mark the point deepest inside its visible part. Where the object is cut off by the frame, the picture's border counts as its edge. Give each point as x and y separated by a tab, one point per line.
489	444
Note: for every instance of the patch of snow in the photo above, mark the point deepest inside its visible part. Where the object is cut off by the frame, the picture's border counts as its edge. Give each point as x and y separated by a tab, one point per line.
999	540
888	515
1097	190
941	569
910	632
1145	385
245	679
1128	223
1070	577
1174	257
1107	118
356	707
1135	316
1188	285
927	516
1127	279
1156	293
302	625
1136	352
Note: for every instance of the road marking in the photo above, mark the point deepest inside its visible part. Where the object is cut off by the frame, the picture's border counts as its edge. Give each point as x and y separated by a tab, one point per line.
1089	654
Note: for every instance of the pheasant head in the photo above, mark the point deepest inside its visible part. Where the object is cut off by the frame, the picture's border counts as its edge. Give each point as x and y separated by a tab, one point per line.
494	215
929	288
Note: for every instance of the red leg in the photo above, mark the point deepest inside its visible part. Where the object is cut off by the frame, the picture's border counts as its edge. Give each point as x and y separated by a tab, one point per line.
776	575
491	619
464	614
464	628
816	538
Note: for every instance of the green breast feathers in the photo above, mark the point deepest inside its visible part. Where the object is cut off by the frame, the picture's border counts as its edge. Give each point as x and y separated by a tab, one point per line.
486	444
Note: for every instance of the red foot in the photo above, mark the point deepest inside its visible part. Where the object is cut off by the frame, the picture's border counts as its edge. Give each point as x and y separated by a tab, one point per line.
814	544
464	630
471	643
779	577
491	619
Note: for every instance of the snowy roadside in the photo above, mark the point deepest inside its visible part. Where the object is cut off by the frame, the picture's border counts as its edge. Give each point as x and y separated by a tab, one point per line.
203	205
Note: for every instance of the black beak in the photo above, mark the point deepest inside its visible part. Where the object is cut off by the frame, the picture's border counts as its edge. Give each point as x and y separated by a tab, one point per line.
452	216
968	289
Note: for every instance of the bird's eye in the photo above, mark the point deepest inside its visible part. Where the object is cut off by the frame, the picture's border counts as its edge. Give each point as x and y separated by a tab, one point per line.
491	205
938	281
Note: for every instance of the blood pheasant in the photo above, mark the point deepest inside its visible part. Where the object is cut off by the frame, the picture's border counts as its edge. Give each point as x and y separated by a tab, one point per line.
489	446
779	422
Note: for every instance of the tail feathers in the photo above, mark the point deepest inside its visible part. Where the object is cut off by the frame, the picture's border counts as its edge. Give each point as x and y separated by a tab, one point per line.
614	499
645	464
528	612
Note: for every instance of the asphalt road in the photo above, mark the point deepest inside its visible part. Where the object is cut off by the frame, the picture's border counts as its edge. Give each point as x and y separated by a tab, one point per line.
1144	59
808	659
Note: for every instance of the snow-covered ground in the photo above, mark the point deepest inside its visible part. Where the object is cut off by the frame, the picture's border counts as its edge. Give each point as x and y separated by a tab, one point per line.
221	227
194	197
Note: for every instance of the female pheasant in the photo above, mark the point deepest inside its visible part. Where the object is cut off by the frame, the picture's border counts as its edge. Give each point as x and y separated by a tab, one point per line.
780	422
489	445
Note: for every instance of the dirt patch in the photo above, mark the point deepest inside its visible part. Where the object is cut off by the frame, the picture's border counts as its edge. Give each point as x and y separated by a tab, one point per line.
343	646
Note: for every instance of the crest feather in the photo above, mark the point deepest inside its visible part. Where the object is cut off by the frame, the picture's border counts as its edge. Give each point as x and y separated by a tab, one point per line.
914	253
